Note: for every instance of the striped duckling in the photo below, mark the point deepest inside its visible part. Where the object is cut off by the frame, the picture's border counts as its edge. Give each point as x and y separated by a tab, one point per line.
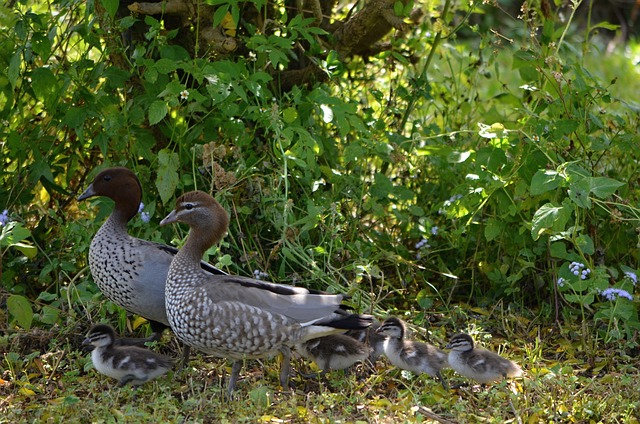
246	319
127	364
129	271
334	352
477	363
410	355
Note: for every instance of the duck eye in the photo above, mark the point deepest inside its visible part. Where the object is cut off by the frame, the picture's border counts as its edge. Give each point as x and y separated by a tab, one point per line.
188	206
107	178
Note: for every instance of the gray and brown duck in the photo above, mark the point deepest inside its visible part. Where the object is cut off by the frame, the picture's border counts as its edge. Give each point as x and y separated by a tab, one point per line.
411	355
246	319
127	364
477	363
129	271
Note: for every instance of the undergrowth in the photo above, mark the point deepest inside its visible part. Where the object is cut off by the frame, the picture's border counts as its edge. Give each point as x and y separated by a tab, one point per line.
475	176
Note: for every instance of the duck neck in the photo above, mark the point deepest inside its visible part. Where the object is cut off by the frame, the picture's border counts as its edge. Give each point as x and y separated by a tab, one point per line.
196	244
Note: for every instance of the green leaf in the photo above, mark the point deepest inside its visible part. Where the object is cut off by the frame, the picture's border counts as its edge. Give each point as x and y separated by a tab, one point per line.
14	68
545	180
549	217
564	127
585	244
579	193
49	315
20	308
167	180
493	229
45	86
219	15
289	115
111	6
603	186
165	66
157	112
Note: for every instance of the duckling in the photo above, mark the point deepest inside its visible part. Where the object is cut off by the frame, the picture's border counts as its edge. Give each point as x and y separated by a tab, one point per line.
336	351
127	364
477	363
370	337
410	355
238	317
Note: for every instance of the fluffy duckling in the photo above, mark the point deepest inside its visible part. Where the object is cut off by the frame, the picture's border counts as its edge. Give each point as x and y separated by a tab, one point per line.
127	364
477	363
410	355
336	352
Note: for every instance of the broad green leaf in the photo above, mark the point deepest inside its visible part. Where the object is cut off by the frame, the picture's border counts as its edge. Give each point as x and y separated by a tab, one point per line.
20	309
493	229
45	86
49	315
165	66
157	112
289	115
167	180
579	193
559	250
564	127
603	186
549	217
111	6
545	180
585	244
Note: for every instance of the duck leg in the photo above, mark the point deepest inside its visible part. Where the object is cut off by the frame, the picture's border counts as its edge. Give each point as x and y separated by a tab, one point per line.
442	381
235	373
285	368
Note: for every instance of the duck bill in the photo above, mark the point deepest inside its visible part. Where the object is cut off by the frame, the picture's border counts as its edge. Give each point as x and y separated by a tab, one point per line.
86	341
89	192
170	219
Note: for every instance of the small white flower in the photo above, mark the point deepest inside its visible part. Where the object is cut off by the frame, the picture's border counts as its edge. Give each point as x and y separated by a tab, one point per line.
184	94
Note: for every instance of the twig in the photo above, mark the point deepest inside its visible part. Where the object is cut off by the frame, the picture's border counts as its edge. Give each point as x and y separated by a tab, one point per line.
432	415
513	408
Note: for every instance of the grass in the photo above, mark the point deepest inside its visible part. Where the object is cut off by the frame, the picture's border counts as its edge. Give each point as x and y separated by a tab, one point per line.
570	377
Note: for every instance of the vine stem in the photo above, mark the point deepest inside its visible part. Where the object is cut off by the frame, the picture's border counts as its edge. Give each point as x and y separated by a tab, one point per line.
576	4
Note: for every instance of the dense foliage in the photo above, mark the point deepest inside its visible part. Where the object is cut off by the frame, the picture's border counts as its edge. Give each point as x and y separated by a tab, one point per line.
479	158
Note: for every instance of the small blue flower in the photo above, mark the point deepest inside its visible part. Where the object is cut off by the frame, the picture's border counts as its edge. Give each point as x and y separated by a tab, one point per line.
434	230
631	276
141	207
613	293
579	269
145	217
4	217
561	282
422	243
